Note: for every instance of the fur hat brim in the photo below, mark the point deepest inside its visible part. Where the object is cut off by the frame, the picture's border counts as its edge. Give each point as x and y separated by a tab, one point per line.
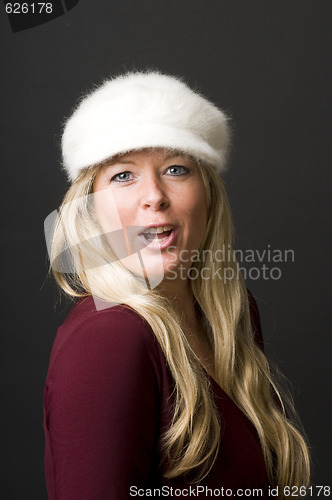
142	110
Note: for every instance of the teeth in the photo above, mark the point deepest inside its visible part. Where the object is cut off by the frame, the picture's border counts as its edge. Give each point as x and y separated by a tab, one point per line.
158	230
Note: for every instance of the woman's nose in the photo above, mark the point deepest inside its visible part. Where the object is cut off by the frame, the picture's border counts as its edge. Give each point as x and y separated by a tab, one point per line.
154	196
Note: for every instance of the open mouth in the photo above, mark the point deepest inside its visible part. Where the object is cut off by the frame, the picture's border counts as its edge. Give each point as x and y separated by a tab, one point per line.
159	233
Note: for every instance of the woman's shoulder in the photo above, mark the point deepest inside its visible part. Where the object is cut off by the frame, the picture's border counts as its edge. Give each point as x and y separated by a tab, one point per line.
85	311
116	332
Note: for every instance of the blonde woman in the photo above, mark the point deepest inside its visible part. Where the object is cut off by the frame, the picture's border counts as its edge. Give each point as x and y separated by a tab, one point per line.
157	384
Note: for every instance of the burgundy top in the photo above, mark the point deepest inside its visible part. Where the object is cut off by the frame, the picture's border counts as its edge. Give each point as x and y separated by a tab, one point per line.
108	398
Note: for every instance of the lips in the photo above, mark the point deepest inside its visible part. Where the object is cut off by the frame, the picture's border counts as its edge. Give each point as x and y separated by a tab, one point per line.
158	236
157	233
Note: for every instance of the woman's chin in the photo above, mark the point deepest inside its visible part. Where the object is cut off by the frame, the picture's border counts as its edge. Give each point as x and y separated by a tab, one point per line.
154	268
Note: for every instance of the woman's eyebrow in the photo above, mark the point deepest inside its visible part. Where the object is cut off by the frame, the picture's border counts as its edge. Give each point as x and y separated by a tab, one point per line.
173	154
115	162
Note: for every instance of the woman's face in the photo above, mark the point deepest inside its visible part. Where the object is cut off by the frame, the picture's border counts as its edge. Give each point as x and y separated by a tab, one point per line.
158	199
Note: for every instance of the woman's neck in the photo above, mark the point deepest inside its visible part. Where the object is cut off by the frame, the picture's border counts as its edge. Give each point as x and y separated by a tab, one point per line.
183	301
182	298
198	339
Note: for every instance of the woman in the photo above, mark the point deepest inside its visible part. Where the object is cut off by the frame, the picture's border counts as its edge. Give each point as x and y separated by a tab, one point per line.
157	378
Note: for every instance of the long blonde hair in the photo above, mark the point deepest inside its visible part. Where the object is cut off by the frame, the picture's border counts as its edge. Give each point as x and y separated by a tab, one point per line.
192	441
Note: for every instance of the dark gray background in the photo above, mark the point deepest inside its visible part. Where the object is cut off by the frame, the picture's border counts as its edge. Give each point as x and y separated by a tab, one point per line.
267	64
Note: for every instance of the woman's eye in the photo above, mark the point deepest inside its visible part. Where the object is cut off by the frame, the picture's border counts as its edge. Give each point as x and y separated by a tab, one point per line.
122	177
178	170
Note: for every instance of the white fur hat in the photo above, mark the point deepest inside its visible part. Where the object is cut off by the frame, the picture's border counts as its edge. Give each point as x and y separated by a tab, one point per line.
140	110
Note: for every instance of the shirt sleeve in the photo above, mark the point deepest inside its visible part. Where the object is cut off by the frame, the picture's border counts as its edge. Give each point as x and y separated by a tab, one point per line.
101	409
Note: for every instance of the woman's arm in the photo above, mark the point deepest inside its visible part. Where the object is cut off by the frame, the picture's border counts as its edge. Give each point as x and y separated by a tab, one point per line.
101	408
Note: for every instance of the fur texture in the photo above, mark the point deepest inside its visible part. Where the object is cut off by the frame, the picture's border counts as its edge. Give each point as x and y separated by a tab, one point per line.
139	110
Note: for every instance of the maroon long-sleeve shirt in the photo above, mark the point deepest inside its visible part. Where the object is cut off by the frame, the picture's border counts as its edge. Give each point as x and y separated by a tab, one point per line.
108	397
